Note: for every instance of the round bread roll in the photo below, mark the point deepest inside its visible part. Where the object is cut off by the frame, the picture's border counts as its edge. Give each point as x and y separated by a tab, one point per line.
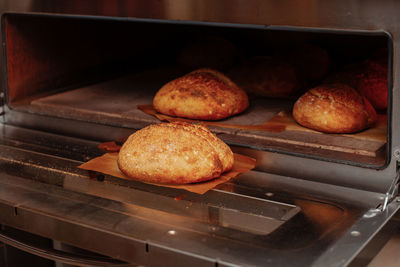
267	76
202	94
174	153
334	108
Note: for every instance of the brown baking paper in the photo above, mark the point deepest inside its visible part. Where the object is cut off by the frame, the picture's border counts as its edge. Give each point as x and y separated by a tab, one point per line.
107	164
267	126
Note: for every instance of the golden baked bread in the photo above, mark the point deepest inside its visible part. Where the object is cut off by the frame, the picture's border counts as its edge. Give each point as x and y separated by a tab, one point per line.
202	94
267	76
174	153
334	108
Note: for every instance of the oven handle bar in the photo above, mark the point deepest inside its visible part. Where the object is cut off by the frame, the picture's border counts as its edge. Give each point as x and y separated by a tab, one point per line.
62	256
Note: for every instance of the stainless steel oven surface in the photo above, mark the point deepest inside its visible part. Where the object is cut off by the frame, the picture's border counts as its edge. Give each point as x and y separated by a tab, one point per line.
74	75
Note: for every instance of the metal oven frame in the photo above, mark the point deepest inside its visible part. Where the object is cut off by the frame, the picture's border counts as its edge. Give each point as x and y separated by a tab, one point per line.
43	193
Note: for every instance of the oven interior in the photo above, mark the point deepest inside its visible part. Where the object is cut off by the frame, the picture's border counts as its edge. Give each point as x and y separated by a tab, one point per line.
68	75
99	71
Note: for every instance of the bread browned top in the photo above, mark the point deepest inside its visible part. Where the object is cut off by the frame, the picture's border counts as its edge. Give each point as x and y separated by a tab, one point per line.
334	108
203	94
174	153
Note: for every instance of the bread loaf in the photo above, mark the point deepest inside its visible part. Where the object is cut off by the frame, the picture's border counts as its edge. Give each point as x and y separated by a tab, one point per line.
174	153
202	94
334	108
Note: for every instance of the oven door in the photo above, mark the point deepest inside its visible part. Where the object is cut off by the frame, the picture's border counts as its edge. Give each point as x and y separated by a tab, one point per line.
255	219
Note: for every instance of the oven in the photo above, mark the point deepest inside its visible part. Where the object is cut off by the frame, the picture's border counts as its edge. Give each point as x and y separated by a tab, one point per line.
73	76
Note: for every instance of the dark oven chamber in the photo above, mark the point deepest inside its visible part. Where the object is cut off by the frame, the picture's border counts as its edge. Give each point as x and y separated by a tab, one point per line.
74	76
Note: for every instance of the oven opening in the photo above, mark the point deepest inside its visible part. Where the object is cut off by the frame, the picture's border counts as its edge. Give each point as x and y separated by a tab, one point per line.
97	71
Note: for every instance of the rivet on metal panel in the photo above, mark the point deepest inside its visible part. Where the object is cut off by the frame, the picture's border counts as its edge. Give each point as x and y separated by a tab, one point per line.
355	233
371	213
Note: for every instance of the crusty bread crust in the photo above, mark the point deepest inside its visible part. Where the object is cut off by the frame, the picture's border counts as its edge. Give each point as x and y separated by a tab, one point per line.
203	94
334	108
174	153
224	152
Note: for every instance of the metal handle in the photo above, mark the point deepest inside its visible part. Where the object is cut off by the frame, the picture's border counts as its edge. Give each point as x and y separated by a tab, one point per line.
61	256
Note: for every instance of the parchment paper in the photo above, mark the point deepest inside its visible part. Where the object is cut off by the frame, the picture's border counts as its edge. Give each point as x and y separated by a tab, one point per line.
107	164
